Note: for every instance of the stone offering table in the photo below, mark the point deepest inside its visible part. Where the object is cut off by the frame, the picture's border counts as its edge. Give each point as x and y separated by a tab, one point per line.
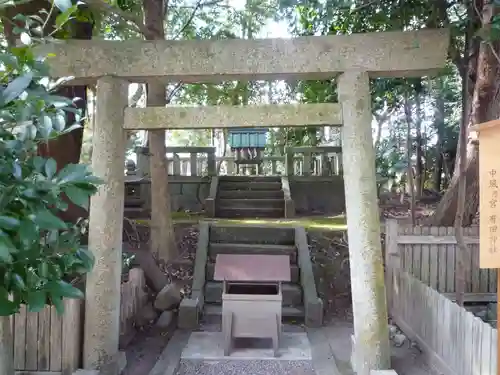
251	298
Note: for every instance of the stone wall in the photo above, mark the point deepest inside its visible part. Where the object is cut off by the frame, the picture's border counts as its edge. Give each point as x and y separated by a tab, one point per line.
187	193
312	195
318	195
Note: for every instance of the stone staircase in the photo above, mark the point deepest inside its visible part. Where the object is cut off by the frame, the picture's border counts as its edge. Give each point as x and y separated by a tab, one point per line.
250	197
253	240
300	299
202	312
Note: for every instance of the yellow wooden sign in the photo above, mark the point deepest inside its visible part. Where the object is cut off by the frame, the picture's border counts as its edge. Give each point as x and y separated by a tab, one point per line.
489	193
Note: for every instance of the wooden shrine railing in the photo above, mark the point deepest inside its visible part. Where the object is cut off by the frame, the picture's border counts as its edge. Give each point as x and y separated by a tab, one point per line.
297	161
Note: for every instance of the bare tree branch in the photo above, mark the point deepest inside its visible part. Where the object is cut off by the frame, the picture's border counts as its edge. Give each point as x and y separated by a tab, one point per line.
173	92
126	16
189	20
198	6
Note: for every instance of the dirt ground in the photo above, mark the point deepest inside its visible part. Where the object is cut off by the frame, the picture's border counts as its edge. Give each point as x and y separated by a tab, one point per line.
148	343
330	257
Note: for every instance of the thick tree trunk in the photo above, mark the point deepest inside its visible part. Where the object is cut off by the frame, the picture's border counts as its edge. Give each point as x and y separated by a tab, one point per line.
409	148
439	110
162	231
485	106
65	149
419	167
156	279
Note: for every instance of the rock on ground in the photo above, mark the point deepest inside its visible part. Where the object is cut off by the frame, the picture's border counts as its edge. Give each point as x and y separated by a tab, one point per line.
146	315
169	297
164	320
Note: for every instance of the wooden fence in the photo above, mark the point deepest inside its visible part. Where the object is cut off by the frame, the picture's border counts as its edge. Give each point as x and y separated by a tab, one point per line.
430	254
133	296
49	344
46	342
454	341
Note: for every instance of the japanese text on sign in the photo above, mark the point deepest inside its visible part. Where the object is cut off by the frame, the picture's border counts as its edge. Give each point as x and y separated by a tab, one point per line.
492	220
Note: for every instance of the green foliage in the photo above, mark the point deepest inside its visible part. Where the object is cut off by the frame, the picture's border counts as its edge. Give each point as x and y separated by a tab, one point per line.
39	252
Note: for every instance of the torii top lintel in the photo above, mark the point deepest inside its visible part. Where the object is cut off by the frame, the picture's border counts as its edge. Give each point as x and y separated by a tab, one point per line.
381	54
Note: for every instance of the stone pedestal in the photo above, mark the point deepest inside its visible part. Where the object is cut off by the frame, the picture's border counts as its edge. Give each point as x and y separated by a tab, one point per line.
204	354
251	298
251	311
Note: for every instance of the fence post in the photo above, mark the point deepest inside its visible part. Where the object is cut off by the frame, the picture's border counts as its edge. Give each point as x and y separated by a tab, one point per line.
6	346
211	167
289	162
193	163
142	166
340	165
306	166
392	260
176	165
325	165
71	335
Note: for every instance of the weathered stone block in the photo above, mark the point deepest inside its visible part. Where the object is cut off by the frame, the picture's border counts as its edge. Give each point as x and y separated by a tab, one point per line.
210	207
169	297
383	372
226	116
314	313
189	312
146	315
163	322
412	53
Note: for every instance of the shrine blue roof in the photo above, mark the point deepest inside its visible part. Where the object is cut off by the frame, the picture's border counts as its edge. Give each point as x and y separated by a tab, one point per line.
248	130
248	137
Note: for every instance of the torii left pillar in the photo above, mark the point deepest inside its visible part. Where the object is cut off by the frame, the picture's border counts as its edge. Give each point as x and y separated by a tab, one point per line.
371	350
102	299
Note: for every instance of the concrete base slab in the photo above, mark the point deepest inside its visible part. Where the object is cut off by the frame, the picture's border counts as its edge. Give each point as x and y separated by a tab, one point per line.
204	354
238	367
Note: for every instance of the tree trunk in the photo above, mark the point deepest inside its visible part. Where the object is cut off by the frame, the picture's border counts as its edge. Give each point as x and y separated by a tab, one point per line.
419	168
156	279
439	110
409	149
66	148
162	231
485	106
224	150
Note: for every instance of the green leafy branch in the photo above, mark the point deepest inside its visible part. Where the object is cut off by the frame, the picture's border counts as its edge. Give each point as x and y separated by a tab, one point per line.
40	254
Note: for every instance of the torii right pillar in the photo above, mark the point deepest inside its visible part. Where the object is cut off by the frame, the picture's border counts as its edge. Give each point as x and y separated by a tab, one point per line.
370	346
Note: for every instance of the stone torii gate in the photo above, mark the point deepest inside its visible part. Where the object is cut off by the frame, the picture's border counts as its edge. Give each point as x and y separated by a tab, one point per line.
354	58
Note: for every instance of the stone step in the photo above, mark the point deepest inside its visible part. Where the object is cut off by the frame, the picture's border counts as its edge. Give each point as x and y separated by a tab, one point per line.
249	212
250	194
204	355
133	202
212	313
292	293
251	234
249	179
224	203
249	185
245	248
294	270
136	213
